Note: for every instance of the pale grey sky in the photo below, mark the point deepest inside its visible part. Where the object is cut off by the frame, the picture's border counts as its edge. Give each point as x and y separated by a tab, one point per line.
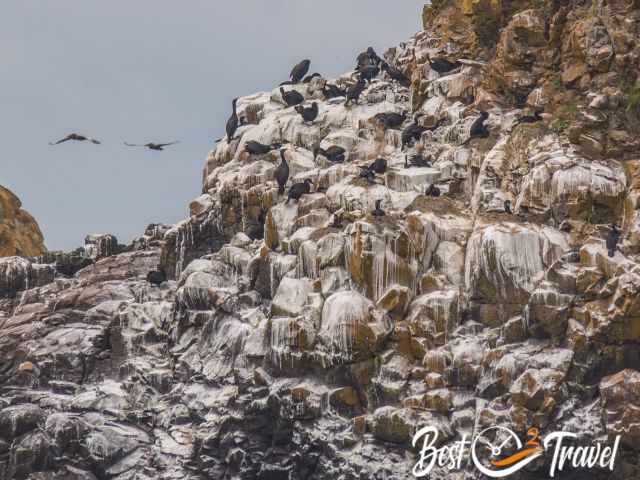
152	70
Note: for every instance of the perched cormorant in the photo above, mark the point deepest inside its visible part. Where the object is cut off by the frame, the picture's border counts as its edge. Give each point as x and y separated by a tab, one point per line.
256	148
432	191
308	78
478	128
298	189
370	57
378	166
391	119
369	72
334	153
152	146
157	277
77	137
337	220
299	71
442	65
612	239
232	123
355	90
308	114
414	132
417	161
528	118
396	75
507	207
378	212
332	91
291	98
281	173
367	173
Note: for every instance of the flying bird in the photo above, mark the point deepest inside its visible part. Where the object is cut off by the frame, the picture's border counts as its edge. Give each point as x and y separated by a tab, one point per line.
151	145
77	137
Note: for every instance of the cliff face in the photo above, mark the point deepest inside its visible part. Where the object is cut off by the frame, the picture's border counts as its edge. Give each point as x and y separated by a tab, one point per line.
310	339
19	232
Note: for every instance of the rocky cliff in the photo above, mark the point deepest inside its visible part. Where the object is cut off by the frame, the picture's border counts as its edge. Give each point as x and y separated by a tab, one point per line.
19	232
310	339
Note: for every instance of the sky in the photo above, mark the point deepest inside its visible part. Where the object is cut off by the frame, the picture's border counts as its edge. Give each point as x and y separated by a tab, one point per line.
152	70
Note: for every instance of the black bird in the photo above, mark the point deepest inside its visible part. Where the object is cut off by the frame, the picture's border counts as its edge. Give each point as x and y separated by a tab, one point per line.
378	212
299	71
370	175
442	65
612	240
281	173
308	78
432	191
308	114
298	189
396	75
507	207
256	148
333	153
151	146
77	137
478	128
232	123
291	98
379	166
412	133
156	277
337	220
417	161
370	57
355	90
391	119
527	118
332	91
369	72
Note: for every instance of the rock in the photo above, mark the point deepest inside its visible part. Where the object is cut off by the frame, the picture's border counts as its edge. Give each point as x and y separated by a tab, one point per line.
620	401
291	297
20	234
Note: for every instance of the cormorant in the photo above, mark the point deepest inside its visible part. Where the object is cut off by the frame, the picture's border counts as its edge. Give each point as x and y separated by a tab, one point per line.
396	75
507	207
333	153
612	239
432	191
232	123
369	72
291	98
527	118
478	128
308	78
370	57
414	132
370	175
281	173
378	212
391	119
299	71
355	90
308	114
442	65
298	189
379	166
256	148
152	146
332	91
417	161
337	220
157	277
77	137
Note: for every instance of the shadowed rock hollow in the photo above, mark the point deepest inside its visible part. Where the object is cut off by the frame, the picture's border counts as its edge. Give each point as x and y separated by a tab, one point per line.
310	340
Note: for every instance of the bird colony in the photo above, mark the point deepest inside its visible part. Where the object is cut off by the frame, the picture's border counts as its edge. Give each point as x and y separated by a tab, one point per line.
448	234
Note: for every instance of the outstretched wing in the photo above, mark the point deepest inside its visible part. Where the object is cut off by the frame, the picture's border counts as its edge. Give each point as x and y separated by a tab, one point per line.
65	139
133	145
94	141
167	144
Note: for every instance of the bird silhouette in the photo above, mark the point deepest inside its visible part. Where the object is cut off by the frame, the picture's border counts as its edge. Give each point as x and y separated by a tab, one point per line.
151	145
76	137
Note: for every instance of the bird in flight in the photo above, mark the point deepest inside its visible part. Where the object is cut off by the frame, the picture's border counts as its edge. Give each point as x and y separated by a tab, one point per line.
152	146
77	137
